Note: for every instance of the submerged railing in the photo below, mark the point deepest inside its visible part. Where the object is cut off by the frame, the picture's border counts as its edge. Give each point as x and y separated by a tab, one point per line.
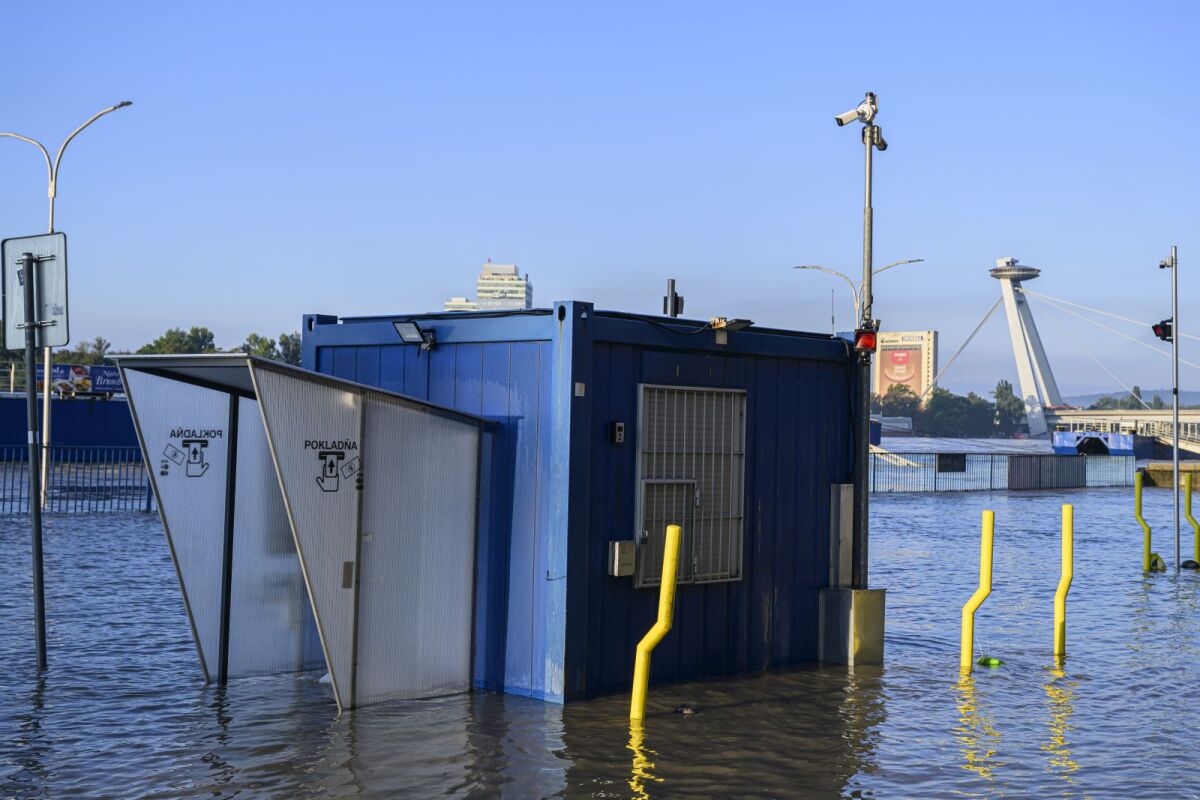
81	479
976	472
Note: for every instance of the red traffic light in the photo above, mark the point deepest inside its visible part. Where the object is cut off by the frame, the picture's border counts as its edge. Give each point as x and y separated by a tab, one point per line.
1162	330
864	341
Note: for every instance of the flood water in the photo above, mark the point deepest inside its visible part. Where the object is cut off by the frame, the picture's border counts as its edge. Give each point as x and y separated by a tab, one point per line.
123	711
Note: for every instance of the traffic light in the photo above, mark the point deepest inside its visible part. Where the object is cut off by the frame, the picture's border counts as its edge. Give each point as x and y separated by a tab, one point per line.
864	340
1162	330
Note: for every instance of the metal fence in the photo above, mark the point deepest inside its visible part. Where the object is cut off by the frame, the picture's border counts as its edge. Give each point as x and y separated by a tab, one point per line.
972	472
81	479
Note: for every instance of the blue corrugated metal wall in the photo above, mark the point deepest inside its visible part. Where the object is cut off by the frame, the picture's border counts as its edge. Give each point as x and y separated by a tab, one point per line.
550	623
78	422
508	382
797	434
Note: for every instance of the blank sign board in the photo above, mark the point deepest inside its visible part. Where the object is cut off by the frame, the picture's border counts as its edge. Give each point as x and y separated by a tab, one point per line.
50	290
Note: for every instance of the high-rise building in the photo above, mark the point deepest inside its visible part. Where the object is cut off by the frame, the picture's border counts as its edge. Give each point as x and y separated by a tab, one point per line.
460	304
499	287
905	358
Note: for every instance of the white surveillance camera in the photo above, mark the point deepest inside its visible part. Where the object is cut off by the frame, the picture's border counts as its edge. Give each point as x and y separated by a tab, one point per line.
880	142
864	112
847	117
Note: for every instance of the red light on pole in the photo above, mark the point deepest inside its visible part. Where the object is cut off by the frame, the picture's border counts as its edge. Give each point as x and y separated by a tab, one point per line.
1162	330
864	341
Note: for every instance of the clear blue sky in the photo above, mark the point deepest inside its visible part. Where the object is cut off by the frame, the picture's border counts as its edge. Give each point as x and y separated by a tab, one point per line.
354	158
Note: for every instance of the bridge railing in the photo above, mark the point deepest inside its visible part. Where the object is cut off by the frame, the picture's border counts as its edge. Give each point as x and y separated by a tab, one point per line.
974	472
82	479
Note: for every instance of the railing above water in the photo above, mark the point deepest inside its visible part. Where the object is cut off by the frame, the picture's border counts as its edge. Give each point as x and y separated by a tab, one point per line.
82	479
97	479
978	472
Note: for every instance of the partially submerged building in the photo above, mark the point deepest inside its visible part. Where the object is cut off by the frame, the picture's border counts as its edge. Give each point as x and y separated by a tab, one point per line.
594	430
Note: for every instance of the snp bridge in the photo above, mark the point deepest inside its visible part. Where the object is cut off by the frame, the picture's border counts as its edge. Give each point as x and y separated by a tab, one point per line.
1045	410
1152	423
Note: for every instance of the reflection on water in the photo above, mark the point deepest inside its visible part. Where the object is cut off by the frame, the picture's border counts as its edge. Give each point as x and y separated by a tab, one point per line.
976	734
642	770
123	710
1060	691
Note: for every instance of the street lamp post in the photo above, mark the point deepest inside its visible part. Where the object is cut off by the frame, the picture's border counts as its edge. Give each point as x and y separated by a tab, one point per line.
52	166
863	453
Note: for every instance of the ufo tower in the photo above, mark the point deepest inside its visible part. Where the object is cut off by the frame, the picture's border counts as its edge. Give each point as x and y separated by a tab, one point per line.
1038	389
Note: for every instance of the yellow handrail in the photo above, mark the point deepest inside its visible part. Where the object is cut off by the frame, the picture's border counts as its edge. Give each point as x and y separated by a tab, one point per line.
666	611
1137	514
1064	582
985	588
1187	511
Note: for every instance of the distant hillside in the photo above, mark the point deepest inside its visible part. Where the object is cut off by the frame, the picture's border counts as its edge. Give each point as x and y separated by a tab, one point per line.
1085	400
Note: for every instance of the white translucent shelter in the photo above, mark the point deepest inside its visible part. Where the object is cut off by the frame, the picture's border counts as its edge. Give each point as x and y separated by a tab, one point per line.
314	522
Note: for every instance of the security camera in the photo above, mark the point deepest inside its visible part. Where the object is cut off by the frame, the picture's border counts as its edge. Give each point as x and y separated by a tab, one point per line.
847	117
864	112
880	142
1164	264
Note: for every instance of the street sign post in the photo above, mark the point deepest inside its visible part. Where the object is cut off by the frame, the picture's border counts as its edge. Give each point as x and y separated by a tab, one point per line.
35	310
50	291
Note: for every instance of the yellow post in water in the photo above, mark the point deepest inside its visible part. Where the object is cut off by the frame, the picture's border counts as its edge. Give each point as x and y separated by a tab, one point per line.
985	588
666	611
1187	512
1137	514
1064	582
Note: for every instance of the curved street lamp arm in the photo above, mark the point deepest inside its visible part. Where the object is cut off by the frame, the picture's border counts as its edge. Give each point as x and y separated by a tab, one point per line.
39	146
76	132
846	278
898	263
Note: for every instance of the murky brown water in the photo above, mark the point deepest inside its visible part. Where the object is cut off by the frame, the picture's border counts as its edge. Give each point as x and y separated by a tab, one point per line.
123	711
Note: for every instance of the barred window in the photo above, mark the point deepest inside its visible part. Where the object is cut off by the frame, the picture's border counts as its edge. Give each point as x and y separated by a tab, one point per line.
691	472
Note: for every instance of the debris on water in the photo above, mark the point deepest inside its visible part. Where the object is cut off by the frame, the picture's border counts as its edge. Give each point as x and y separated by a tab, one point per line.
989	661
1189	564
686	710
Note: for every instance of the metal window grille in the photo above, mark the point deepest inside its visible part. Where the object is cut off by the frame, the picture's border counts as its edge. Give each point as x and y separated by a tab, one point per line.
691	472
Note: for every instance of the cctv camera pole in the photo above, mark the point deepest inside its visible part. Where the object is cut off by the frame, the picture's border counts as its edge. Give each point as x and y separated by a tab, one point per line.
865	322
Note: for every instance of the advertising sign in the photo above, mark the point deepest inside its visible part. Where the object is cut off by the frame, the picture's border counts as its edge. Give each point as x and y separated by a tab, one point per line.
79	379
905	358
900	365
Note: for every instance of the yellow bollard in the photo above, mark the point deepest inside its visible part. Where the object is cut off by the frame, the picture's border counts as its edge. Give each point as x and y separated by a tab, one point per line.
1064	582
985	588
1137	514
1187	511
666	611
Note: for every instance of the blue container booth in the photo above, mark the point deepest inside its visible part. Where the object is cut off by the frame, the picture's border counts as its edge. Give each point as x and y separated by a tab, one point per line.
611	425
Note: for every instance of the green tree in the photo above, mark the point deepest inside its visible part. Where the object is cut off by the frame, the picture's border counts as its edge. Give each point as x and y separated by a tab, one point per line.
1158	403
900	401
85	353
289	348
1010	409
979	417
260	346
1106	403
176	340
944	414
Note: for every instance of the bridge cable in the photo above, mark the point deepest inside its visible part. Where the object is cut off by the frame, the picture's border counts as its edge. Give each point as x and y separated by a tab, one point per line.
1100	364
1039	295
961	347
1116	332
